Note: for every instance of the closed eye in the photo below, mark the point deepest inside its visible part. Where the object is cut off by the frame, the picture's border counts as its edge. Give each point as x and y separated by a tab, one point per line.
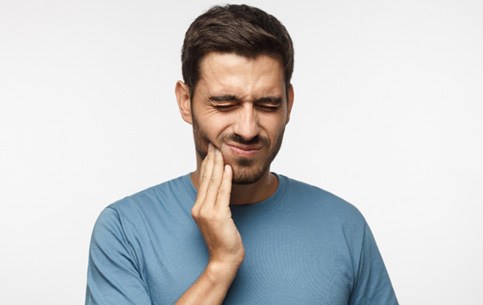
269	104
225	107
224	102
268	108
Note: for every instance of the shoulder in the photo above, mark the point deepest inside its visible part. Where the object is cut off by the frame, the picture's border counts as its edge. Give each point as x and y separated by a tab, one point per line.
168	197
322	201
152	197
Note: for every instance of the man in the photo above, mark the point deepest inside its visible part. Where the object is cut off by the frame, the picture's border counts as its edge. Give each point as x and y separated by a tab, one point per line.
232	232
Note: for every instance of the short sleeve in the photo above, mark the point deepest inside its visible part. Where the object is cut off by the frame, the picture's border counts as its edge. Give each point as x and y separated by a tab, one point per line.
372	286
113	275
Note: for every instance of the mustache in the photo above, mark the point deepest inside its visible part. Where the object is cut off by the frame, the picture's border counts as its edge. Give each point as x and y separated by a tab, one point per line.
253	141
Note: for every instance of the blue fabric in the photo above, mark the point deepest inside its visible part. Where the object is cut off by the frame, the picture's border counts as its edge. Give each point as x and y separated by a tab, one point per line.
303	246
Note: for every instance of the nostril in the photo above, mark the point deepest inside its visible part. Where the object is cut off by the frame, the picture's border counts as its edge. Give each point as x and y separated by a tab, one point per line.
245	141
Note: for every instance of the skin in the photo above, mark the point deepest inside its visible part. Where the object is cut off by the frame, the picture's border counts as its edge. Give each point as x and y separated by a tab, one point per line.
239	111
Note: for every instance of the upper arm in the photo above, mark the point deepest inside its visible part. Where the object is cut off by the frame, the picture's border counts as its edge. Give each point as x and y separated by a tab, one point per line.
372	285
113	273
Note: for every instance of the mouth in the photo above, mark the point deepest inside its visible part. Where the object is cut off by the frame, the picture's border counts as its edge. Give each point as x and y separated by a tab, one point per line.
245	151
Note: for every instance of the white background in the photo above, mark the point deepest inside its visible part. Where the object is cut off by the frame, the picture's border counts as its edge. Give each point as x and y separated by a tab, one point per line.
388	115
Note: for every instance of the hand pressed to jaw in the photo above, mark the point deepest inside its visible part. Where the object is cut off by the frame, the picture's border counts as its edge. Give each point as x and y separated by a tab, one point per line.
212	213
224	192
205	174
216	176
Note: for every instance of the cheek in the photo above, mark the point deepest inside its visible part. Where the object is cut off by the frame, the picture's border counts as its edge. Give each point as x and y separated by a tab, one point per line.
213	128
273	127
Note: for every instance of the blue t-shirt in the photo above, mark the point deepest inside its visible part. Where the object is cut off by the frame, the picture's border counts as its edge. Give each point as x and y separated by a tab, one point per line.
302	245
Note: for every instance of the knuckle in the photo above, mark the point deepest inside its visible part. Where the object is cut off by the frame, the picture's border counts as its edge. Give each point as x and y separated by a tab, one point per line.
209	216
195	210
222	192
203	213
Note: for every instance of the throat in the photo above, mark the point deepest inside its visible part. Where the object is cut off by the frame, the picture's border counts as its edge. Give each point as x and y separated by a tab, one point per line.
245	194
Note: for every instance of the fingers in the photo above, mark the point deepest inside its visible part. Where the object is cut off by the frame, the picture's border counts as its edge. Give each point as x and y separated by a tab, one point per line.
212	213
223	199
215	178
212	176
205	173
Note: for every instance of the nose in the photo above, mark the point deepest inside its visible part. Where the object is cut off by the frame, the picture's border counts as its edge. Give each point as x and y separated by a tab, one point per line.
246	125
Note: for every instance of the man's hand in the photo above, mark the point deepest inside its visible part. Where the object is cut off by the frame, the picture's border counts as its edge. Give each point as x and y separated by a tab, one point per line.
212	211
212	214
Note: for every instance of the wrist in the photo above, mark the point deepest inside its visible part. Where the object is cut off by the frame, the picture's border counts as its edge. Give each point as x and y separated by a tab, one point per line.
222	272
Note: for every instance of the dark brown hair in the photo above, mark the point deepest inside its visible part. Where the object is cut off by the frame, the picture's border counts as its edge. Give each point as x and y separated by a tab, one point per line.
239	29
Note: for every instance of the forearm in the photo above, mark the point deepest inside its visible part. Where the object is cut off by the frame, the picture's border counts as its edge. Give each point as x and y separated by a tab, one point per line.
212	285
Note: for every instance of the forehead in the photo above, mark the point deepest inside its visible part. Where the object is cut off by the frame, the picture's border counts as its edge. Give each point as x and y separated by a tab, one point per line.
229	71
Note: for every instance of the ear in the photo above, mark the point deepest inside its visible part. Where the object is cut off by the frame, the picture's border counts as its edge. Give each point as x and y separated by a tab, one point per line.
184	101
290	99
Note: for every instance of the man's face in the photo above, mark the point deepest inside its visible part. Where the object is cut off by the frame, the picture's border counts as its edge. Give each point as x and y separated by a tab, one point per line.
241	106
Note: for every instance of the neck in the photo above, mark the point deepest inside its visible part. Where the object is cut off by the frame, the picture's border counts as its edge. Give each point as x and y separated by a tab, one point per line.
252	193
244	194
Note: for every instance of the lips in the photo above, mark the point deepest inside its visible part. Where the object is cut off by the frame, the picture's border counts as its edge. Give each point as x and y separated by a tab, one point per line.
244	150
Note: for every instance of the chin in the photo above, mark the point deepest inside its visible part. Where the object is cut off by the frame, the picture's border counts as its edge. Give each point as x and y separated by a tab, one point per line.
245	175
244	180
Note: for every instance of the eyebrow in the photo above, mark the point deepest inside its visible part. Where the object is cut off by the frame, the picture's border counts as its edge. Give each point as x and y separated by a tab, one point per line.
274	100
224	98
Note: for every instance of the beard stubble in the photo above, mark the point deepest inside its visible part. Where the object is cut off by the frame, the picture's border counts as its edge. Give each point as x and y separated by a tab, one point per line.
245	170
